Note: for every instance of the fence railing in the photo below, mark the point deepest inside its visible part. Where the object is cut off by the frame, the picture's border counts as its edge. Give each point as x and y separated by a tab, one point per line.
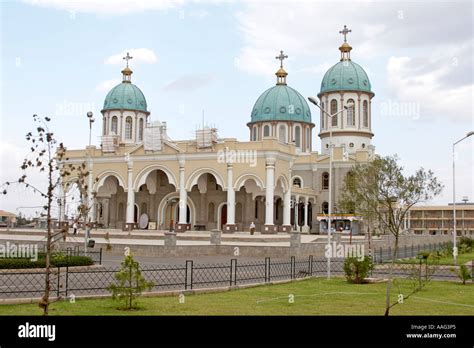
381	255
191	275
95	255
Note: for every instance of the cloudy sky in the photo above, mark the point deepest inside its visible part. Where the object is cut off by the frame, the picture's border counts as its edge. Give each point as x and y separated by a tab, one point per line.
59	59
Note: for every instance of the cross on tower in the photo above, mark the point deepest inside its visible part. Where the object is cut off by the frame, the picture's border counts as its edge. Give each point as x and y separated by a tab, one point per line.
281	57
344	32
127	58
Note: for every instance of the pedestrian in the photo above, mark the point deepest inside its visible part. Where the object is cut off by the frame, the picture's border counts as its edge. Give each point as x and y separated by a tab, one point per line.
74	226
252	228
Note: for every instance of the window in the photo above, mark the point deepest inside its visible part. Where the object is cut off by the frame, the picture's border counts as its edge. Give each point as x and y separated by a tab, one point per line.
114	125
325	208
363	146
308	138
298	136
333	111
282	134
266	131
297	182
351	144
254	133
350	113
325	181
140	130
365	113
128	128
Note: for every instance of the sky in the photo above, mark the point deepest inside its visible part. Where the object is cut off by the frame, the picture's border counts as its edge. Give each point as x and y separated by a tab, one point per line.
60	58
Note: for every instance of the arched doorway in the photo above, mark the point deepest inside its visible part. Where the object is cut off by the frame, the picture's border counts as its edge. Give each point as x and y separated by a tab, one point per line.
222	215
168	211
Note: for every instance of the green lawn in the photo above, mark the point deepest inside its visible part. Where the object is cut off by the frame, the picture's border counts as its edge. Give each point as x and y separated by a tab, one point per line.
316	296
462	259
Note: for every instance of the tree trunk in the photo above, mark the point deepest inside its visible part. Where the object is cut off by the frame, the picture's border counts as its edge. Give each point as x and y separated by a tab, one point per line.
389	283
47	283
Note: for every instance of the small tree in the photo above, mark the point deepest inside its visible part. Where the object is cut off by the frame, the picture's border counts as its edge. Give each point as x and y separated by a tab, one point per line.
463	273
357	270
379	189
131	283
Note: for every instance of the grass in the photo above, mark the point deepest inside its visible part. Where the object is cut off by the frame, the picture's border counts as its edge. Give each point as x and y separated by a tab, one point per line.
461	259
316	296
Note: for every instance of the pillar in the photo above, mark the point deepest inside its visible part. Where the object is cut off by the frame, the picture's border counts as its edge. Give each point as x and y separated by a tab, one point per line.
269	227
183	200
287	211
297	208
230	226
130	220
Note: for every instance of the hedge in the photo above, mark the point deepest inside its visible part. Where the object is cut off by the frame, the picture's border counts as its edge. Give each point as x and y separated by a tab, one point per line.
56	261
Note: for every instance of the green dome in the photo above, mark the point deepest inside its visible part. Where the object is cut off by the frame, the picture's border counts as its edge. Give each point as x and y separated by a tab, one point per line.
345	75
281	103
125	96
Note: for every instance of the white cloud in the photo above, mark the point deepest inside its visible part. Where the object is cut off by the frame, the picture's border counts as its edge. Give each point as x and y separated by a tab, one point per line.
107	85
108	7
188	82
140	55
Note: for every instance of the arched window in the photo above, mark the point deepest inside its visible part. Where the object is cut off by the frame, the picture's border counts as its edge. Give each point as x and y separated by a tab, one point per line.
298	136
308	138
140	130
266	131
297	182
282	134
114	125
211	213
325	208
325	181
254	133
333	111
365	113
350	113
128	128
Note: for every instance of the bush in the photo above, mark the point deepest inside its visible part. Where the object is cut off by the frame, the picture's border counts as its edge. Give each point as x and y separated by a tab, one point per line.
355	270
463	273
466	245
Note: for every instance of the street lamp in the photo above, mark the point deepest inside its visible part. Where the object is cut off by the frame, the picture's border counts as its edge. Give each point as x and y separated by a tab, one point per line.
314	101
455	249
91	121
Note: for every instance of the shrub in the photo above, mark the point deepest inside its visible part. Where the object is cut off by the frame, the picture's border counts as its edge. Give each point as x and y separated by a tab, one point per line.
463	272
356	270
466	245
56	261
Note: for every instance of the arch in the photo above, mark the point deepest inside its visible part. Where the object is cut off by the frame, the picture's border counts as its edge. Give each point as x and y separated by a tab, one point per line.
244	177
333	111
193	178
284	182
140	129
219	214
104	175
114	127
325	208
266	130
325	181
297	177
351	113
142	175
365	113
297	136
164	202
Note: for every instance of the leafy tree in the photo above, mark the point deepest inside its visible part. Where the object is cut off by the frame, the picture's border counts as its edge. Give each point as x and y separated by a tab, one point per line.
379	191
131	283
357	270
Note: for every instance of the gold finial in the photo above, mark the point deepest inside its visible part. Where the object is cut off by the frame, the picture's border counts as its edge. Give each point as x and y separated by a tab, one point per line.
127	72
281	73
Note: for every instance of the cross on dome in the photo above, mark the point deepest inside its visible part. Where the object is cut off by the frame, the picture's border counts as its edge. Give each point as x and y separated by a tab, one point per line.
344	32
281	57
127	58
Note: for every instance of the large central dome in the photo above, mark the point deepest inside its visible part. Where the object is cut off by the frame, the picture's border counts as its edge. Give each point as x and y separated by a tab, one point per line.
281	103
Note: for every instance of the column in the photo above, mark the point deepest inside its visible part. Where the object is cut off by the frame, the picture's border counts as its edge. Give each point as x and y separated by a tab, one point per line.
130	219
269	227
297	208
183	200
306	204
230	225
287	210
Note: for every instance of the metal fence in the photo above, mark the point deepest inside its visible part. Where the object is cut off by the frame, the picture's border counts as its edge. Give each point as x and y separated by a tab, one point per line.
95	255
190	275
381	255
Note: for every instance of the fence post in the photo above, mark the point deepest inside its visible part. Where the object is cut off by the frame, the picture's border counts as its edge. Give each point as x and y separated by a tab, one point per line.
233	270
100	257
188	273
269	269
310	265
59	279
292	267
67	276
381	256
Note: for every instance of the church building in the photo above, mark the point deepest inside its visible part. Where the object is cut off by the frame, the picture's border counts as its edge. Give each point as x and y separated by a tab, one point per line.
141	178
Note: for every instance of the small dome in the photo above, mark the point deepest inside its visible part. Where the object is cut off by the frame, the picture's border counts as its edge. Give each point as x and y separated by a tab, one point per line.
345	75
281	103
125	96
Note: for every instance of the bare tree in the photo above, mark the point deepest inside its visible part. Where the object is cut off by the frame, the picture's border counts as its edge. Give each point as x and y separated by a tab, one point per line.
379	190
